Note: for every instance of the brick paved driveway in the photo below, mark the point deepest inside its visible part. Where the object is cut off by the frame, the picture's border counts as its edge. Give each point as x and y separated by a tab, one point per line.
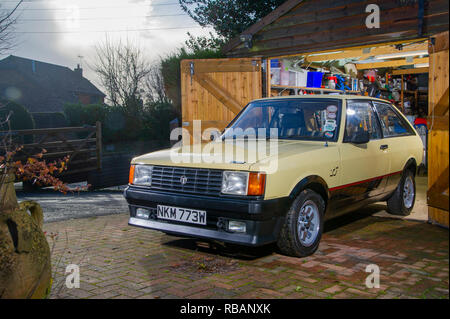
118	261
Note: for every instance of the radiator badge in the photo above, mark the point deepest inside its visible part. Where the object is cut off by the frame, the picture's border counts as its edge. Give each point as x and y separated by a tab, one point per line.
183	180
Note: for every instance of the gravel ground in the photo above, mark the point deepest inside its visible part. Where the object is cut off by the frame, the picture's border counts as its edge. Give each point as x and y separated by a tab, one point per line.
58	207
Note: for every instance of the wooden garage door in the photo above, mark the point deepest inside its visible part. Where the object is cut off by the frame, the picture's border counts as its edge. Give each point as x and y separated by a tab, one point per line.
438	125
215	90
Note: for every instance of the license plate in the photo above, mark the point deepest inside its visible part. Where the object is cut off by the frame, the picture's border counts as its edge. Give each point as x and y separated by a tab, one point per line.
185	215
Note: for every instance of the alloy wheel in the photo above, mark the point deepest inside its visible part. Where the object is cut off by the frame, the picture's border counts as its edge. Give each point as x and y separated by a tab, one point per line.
308	223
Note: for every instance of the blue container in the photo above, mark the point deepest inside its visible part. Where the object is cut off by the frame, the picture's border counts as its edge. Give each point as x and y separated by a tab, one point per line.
275	63
314	79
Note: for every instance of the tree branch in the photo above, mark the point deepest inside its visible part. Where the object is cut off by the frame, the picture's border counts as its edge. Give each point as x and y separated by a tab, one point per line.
11	13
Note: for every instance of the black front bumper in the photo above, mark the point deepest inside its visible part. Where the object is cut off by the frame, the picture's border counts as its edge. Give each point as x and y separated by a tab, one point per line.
263	218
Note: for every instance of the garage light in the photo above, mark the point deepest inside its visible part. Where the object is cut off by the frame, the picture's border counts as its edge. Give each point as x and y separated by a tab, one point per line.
401	55
422	65
325	53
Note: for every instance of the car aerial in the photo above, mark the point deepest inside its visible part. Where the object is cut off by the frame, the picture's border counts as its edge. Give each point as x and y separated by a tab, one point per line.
334	154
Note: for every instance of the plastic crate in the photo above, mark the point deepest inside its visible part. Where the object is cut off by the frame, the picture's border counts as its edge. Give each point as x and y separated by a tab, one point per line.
275	63
314	79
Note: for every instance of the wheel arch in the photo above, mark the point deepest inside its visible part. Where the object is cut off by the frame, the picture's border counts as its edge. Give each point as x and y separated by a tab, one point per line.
411	165
313	182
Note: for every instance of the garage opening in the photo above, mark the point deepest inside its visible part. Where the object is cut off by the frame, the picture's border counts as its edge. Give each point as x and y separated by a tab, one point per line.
324	47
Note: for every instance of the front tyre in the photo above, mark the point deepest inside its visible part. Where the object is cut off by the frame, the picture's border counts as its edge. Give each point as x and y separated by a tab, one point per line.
401	203
303	225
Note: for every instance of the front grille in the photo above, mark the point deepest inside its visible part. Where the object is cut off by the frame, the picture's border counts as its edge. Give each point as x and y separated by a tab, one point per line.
197	181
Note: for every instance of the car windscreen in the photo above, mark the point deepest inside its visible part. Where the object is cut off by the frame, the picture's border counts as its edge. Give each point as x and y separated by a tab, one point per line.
302	119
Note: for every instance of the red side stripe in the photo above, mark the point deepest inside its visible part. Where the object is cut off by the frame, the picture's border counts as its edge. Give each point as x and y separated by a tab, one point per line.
364	181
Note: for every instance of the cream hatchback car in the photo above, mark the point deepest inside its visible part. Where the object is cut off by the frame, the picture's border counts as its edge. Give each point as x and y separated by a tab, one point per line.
335	154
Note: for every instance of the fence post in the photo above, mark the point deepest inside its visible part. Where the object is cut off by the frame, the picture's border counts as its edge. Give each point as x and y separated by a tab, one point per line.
98	137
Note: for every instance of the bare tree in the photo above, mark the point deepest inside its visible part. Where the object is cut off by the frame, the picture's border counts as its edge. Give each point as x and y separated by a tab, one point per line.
8	19
154	84
122	70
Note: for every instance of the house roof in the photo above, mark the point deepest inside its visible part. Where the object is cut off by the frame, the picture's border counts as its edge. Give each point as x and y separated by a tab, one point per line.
304	26
50	85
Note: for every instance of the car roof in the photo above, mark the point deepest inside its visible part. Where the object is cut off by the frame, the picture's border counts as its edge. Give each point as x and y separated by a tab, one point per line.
323	96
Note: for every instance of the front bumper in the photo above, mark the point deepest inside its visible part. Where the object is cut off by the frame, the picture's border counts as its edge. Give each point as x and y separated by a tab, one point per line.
263	218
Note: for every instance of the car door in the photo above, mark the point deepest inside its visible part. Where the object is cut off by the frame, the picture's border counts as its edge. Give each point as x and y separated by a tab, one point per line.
396	132
363	166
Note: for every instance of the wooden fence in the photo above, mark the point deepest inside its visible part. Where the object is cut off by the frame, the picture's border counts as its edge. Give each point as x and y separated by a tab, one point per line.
83	145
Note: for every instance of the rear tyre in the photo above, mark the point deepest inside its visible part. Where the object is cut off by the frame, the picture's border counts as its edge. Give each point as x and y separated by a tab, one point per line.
303	226
401	203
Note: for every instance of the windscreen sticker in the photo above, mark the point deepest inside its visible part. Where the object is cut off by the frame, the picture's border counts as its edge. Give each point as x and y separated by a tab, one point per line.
332	109
331	115
330	126
329	134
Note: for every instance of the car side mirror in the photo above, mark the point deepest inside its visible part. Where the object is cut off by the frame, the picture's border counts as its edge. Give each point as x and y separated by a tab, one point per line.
360	137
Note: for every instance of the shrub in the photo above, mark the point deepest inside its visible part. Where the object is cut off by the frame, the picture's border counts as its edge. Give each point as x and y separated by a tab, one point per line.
156	121
21	119
117	124
49	119
121	125
74	114
80	114
94	112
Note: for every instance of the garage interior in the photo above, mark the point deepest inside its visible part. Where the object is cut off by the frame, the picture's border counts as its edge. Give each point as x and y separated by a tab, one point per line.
314	47
382	71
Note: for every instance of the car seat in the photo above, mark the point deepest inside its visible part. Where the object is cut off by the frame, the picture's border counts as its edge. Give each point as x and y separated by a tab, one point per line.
292	124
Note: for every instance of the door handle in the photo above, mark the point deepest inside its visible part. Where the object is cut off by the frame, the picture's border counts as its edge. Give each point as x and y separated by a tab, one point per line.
384	147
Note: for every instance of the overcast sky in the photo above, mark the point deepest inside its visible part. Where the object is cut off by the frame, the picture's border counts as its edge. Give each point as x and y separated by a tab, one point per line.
59	31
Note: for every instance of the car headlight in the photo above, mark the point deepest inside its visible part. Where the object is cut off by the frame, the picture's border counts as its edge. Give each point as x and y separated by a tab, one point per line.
235	183
243	183
141	175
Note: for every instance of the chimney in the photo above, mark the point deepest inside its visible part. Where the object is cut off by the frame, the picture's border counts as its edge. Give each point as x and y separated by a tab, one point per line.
79	71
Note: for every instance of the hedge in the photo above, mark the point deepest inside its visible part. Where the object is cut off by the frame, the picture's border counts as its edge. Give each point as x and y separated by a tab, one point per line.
20	119
151	122
49	120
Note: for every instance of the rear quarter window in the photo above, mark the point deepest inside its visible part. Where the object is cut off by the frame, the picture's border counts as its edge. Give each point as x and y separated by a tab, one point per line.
392	124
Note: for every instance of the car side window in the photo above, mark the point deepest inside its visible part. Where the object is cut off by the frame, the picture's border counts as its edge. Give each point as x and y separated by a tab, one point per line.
391	123
361	117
